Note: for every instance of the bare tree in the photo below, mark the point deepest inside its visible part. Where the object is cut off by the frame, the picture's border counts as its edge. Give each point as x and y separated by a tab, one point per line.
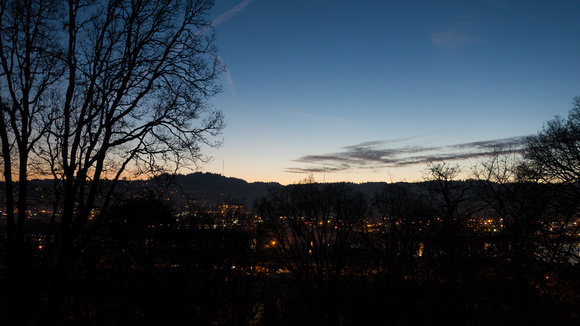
453	206
94	89
310	229
536	243
402	215
26	74
517	207
28	71
555	151
553	157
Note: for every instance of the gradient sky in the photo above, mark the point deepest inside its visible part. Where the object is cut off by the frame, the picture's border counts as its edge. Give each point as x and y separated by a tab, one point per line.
373	90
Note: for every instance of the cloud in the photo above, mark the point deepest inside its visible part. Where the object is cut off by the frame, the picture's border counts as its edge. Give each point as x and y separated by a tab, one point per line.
450	39
382	154
459	33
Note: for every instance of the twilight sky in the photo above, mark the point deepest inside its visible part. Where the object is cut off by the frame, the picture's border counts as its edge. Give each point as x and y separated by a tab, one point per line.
374	90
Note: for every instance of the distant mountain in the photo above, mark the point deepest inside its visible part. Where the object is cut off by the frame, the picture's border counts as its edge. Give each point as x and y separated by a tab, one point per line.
206	189
215	188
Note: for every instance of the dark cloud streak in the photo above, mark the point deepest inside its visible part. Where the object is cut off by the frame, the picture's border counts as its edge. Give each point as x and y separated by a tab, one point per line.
374	155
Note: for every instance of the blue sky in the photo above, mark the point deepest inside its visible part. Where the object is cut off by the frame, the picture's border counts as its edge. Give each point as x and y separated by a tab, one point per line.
373	90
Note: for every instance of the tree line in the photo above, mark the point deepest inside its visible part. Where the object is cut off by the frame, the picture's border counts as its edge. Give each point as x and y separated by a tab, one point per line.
500	247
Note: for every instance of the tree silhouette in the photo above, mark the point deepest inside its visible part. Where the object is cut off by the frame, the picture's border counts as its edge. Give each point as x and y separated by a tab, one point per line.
555	151
92	89
310	229
517	209
452	205
552	158
402	217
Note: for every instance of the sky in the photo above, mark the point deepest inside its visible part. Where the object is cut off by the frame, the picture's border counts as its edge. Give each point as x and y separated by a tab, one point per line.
366	90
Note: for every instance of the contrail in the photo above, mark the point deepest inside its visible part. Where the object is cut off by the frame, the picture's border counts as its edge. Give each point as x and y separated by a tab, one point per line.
220	19
224	17
230	13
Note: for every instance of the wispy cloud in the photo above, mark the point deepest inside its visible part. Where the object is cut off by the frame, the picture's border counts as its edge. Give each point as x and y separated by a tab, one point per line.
450	39
457	34
382	154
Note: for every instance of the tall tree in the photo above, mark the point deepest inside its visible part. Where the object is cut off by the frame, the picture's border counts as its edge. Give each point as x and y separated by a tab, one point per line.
401	216
554	153
452	205
93	89
310	229
519	207
28	72
553	157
